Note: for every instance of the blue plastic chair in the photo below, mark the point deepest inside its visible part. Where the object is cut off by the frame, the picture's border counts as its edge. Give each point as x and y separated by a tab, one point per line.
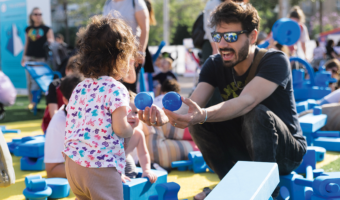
43	75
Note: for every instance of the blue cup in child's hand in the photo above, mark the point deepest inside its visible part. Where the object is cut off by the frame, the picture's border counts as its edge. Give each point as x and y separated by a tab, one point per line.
143	100
172	101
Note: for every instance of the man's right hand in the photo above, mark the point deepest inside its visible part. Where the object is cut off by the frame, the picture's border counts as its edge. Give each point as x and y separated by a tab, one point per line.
153	116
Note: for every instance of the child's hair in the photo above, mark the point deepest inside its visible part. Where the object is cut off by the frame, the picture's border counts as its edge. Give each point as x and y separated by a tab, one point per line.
132	95
296	12
169	60
68	84
60	36
105	46
332	63
170	86
73	64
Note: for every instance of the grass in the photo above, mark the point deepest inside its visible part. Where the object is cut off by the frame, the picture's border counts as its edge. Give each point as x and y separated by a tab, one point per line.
20	112
333	166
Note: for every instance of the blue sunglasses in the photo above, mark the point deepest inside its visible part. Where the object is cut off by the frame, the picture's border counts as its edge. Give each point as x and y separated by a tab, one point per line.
228	36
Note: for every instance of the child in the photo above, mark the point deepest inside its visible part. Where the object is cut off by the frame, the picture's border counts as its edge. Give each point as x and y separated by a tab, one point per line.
54	97
55	133
96	124
136	141
167	86
164	75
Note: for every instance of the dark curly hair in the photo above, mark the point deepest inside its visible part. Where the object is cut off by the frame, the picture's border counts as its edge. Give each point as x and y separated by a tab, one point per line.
105	47
234	12
170	85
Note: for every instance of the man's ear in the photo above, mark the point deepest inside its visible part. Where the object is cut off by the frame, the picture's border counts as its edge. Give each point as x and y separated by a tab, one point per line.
253	36
65	100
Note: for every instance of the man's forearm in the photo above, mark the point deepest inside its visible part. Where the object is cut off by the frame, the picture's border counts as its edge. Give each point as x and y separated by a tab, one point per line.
230	109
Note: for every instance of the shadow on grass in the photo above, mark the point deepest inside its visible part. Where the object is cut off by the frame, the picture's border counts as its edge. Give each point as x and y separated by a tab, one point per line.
333	166
20	112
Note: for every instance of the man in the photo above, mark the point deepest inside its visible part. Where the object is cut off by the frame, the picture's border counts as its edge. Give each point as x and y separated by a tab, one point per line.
257	121
55	133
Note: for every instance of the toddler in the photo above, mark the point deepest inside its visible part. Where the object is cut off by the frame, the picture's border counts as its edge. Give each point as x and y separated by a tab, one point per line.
96	123
137	140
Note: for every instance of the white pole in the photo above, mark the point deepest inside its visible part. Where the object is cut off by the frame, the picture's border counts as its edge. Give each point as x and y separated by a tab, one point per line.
283	8
166	25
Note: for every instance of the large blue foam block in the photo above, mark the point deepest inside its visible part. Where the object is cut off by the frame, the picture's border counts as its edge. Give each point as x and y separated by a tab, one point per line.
141	188
36	188
311	123
309	159
329	143
32	164
60	187
166	191
326	186
289	189
195	162
32	149
247	180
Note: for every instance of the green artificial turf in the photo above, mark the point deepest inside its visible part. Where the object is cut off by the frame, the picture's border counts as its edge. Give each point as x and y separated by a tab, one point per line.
20	112
333	166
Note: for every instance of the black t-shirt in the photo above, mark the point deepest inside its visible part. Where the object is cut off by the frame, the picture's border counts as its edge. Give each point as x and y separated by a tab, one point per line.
51	96
37	38
161	77
274	67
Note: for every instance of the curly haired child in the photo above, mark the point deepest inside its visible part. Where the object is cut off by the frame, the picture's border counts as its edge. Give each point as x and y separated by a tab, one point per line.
97	122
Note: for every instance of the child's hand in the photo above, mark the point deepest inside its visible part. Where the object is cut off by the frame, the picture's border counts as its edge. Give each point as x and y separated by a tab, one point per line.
125	178
152	177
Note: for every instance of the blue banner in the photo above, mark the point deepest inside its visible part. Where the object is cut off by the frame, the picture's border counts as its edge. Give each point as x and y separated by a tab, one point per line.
13	22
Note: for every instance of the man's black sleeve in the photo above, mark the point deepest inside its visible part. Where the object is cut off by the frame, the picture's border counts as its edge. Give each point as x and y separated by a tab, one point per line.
208	72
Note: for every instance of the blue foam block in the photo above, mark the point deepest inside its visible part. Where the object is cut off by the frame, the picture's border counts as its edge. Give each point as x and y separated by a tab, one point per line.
4	130
195	162
166	191
326	134
247	180
289	189
304	93
309	159
32	164
37	195
326	186
311	123
60	187
32	149
329	143
141	188
319	152
36	188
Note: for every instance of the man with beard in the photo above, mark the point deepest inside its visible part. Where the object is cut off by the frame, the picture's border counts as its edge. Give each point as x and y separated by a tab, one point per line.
257	120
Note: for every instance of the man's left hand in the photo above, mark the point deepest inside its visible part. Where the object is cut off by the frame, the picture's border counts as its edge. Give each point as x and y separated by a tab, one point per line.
194	116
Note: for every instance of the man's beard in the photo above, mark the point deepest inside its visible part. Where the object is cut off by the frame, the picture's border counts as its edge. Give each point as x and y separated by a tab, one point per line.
242	55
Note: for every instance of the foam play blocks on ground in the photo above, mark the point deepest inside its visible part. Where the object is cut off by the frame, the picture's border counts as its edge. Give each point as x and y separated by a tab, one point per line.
247	180
60	187
32	149
166	191
4	130
32	164
195	162
289	189
329	143
319	152
36	188
141	188
326	186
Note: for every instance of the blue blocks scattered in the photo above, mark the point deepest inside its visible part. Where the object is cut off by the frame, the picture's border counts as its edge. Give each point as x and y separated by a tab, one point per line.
326	186
289	189
60	187
319	152
166	191
33	148
195	162
4	130
32	164
309	159
247	180
36	188
141	188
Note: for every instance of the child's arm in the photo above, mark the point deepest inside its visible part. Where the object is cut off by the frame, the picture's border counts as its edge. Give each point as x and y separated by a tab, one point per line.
120	125
144	157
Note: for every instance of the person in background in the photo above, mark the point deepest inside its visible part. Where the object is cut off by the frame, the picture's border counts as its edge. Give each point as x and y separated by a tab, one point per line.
59	51
319	54
297	15
37	34
164	75
136	14
333	66
168	86
54	96
54	143
330	52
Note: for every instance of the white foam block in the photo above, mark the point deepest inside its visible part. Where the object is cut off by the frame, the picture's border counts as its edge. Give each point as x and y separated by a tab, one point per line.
247	181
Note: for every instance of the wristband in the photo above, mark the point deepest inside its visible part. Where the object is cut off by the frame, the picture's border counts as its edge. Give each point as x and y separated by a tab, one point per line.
142	53
206	116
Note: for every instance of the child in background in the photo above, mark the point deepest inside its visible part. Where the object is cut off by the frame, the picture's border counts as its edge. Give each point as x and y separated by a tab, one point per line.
137	140
158	65
54	97
167	86
96	124
164	75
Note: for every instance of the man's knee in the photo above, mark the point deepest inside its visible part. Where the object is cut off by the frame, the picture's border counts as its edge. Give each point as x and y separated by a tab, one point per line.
258	114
